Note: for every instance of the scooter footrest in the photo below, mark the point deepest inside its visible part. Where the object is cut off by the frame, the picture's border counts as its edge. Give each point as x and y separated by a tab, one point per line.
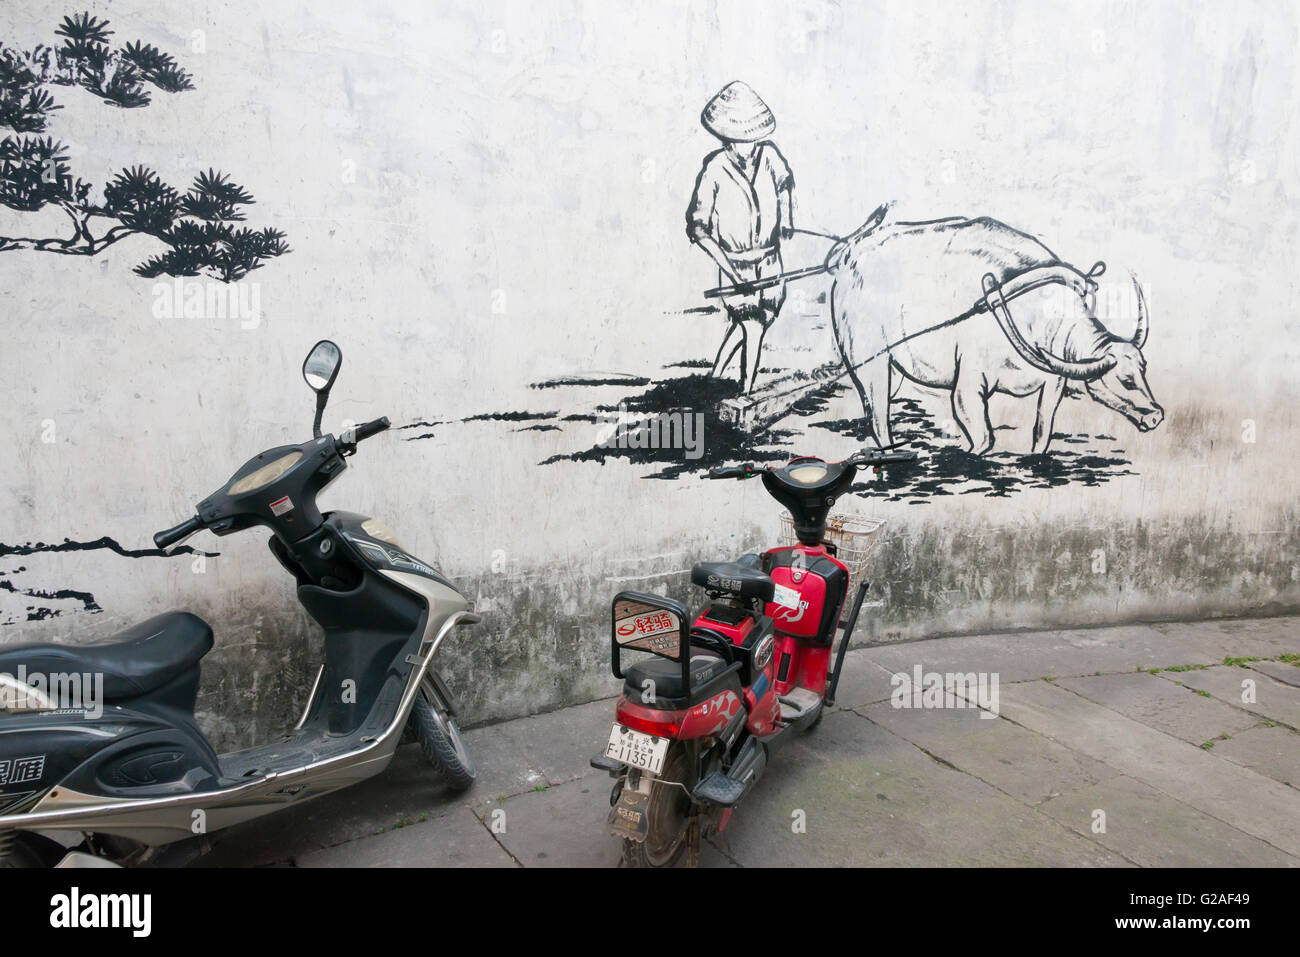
719	789
602	763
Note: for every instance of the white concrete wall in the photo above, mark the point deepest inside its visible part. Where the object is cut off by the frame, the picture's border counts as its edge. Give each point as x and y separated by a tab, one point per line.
482	196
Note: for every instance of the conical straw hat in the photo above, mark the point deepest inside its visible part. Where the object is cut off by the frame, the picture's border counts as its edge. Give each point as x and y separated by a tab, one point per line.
737	113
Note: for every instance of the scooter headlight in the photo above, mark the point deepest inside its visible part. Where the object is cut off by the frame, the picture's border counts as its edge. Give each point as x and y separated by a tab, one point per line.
265	475
807	474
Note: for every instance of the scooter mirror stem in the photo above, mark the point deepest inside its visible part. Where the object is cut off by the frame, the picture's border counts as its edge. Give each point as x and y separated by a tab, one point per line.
321	398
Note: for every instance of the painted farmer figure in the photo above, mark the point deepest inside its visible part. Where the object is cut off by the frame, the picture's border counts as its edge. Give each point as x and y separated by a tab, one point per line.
739	214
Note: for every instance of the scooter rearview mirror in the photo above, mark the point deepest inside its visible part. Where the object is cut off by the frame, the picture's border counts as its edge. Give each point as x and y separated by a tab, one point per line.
319	370
321	366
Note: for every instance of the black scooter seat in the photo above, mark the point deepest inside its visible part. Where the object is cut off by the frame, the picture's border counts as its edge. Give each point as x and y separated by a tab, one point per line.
133	662
667	675
735	578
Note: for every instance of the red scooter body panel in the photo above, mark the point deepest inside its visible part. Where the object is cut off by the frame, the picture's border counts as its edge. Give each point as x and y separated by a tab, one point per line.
760	697
764	709
707	718
806	623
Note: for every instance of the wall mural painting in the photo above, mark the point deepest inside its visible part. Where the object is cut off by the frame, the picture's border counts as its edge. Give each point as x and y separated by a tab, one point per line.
960	310
198	228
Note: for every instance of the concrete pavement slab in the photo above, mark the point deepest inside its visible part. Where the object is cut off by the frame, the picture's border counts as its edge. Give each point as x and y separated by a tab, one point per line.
864	796
1163	705
885	786
457	839
1274	752
1152	829
560	744
1025	765
1275	701
564	826
1020	656
561	826
863	681
1023	656
1236	795
406	791
1279	671
512	758
504	765
1236	637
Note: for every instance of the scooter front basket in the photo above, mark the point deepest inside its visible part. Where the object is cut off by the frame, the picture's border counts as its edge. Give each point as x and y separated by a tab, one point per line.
851	537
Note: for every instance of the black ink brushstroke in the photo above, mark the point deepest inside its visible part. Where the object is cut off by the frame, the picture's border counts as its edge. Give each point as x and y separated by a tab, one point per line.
516	416
687	394
68	545
630	381
87	599
63	594
944	469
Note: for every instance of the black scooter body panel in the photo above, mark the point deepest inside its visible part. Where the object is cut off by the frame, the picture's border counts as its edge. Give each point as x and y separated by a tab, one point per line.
140	749
368	633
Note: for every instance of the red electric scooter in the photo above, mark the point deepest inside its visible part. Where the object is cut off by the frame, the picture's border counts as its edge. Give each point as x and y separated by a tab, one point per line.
701	716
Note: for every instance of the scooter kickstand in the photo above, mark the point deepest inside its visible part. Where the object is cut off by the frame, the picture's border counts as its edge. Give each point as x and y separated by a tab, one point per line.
693	842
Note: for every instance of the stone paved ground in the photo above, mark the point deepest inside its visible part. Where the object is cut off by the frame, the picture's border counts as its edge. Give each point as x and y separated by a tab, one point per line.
1185	768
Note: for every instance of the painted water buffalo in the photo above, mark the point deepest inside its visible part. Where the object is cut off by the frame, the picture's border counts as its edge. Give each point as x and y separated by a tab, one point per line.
909	298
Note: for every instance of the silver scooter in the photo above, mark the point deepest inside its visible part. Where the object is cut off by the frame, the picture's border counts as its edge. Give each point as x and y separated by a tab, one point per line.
123	778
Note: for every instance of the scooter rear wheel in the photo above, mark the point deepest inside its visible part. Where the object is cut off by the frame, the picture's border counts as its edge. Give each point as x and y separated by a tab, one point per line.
669	811
19	850
440	738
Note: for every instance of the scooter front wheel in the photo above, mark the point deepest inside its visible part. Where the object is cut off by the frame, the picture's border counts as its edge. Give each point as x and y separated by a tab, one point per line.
440	738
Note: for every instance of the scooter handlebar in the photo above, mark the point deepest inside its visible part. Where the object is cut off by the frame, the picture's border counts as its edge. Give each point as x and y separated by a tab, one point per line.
366	429
732	471
882	457
170	536
359	433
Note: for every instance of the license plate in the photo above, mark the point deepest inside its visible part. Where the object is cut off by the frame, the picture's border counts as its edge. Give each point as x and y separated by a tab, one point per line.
636	749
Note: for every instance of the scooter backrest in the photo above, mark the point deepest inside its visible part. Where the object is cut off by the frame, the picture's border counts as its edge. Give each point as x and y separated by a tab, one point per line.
652	623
